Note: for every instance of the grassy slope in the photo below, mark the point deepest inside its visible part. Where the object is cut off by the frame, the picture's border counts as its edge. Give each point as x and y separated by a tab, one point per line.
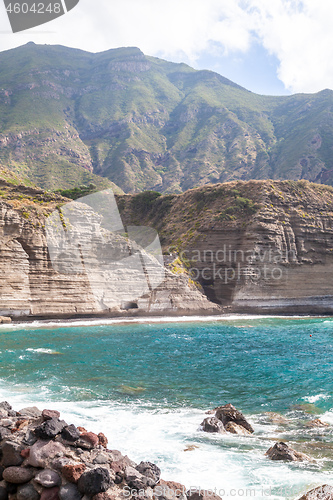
146	123
184	218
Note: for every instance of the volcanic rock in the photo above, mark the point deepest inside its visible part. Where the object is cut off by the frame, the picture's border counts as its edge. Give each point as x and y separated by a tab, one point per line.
27	492
50	428
281	451
228	413
70	433
150	471
213	424
234	428
11	454
94	481
17	475
73	472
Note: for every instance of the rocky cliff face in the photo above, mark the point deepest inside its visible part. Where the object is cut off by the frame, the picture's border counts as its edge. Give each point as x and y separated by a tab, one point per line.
111	275
254	247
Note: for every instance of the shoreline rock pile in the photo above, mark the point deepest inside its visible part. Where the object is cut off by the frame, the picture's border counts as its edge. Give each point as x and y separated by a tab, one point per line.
44	458
227	419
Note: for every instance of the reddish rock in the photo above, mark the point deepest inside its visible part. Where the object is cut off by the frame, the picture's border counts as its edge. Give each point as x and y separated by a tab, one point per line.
25	453
169	490
281	451
50	494
102	440
90	438
81	429
117	468
48	414
73	472
21	423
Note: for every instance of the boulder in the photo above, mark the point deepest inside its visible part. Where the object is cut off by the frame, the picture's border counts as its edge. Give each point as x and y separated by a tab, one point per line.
48	414
135	479
102	440
281	451
5	319
48	478
101	458
27	492
234	428
29	438
91	438
18	475
228	413
11	454
323	492
73	472
69	492
4	433
50	428
94	481
169	490
150	471
213	424
3	490
30	411
42	452
50	494
70	433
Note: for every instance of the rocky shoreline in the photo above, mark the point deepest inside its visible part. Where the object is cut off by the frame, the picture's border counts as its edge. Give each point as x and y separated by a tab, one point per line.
44	458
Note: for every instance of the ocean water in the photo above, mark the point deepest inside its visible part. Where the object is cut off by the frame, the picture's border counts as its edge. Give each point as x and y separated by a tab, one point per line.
147	386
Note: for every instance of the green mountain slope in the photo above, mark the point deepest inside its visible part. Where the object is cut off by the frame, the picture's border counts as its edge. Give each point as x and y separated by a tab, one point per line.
143	123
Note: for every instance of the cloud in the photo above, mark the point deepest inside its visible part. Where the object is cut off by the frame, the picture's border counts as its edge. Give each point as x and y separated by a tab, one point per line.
298	33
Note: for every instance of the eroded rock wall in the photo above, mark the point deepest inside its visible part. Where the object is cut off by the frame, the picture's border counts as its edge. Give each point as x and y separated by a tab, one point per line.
106	283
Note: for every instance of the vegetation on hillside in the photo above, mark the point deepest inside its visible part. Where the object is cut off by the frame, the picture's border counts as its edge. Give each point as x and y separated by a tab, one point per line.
148	124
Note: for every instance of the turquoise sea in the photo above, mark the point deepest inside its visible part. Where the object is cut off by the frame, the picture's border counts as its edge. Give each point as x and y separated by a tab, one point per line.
147	386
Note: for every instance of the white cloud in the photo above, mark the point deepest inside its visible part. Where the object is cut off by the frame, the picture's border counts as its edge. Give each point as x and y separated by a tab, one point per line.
299	33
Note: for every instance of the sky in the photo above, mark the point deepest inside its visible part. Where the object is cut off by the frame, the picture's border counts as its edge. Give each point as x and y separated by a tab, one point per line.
275	47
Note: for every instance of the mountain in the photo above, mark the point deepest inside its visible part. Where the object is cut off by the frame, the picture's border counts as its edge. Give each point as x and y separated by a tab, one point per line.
70	117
